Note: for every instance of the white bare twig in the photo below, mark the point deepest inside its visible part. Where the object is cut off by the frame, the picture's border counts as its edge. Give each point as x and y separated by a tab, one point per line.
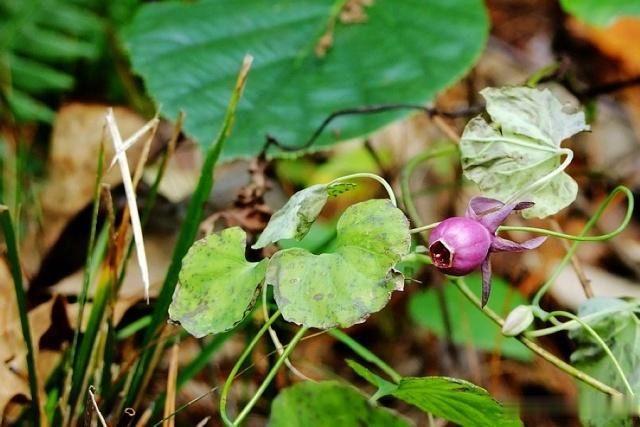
121	157
133	139
95	406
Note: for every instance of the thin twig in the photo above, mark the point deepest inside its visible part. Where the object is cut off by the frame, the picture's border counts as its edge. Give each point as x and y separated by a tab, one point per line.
170	401
370	109
575	263
131	200
92	397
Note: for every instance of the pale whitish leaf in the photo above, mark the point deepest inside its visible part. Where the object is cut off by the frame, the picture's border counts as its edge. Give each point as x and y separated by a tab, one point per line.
343	287
295	218
621	332
521	146
455	400
329	403
217	285
406	51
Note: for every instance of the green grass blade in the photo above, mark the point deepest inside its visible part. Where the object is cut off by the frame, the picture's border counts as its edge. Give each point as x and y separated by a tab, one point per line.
16	273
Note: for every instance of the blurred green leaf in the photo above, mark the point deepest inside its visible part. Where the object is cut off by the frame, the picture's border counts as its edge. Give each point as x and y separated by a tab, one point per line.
217	286
601	12
403	52
455	400
329	403
343	287
621	332
36	40
520	146
469	325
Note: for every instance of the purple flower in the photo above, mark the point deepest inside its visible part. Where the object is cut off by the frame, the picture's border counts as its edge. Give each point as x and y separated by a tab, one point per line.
459	245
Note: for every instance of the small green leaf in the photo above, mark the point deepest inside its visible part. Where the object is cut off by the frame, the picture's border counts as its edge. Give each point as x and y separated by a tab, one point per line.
329	403
217	285
343	287
468	324
455	400
601	12
520	146
404	52
295	218
385	387
621	332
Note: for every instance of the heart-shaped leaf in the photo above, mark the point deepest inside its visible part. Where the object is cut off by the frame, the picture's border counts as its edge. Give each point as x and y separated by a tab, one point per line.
295	218
343	287
329	403
217	285
308	63
521	146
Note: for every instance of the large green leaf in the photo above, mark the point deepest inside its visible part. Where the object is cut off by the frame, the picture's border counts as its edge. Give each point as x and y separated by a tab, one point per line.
295	218
468	324
217	284
455	400
621	332
343	287
521	146
601	12
329	403
404	52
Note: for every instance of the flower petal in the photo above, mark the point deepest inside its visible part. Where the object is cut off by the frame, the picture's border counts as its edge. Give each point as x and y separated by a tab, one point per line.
480	205
486	281
504	245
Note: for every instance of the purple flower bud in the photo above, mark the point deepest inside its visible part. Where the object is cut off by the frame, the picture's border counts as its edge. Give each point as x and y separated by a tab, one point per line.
459	245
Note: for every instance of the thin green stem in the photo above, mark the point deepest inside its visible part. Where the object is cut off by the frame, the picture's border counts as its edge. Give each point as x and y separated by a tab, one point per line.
381	180
272	373
545	178
407	172
576	373
236	367
600	342
581	237
365	353
424	228
16	273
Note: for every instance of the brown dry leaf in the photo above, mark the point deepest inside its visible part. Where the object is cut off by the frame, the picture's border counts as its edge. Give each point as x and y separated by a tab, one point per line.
158	248
72	166
13	367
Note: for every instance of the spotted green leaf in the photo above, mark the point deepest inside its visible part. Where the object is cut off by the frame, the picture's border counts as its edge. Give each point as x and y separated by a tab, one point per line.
520	146
217	285
329	403
343	287
295	218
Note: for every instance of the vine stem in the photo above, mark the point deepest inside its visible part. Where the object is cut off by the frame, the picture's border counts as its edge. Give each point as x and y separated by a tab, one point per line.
247	351
424	228
546	178
600	342
381	180
580	238
549	357
272	373
405	178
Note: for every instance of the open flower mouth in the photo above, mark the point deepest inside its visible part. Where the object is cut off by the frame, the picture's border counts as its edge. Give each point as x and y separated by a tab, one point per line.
441	255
